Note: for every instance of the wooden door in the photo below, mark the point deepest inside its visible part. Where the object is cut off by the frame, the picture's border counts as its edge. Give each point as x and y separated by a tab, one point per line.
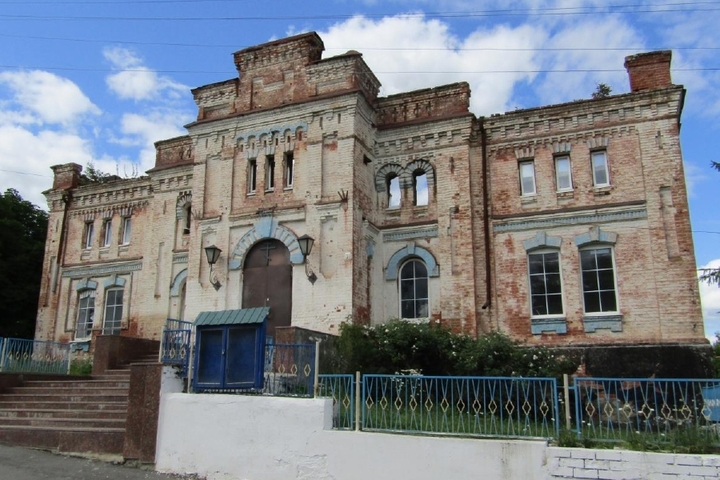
267	282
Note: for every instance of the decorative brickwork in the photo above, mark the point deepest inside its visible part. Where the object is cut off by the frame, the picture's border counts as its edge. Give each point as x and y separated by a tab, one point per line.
300	145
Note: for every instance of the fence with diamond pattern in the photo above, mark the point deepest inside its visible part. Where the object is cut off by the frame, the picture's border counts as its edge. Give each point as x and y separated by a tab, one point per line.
289	369
34	356
475	406
647	410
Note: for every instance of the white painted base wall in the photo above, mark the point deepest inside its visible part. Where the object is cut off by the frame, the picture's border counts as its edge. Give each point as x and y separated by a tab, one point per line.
236	437
269	438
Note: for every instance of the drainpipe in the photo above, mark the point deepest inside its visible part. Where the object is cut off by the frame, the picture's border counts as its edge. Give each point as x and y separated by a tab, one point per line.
486	216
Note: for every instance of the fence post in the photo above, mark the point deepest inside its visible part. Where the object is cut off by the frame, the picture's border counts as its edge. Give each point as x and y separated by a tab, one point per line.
566	392
316	380
4	351
357	401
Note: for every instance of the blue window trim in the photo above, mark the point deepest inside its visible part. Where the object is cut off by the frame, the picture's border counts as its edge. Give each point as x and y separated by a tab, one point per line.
399	257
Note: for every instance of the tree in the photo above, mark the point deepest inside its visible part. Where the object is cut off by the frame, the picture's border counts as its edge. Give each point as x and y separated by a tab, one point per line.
23	228
602	90
711	275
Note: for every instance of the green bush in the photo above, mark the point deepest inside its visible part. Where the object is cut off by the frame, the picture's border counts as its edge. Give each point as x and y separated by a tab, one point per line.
81	366
404	347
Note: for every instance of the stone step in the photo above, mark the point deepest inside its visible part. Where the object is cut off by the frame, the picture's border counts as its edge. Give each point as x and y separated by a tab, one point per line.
55	404
71	398
64	422
119	414
69	390
111	383
70	439
114	372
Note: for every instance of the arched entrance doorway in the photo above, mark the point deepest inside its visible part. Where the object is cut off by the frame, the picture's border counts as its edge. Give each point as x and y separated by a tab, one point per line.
267	281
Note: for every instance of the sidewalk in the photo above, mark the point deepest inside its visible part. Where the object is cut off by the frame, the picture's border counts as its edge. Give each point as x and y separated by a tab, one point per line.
26	464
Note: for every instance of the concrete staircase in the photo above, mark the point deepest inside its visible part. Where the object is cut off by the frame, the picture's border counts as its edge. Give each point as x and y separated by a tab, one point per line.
72	414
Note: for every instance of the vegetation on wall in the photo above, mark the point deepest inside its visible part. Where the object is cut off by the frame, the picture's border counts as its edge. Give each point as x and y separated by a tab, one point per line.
23	228
404	347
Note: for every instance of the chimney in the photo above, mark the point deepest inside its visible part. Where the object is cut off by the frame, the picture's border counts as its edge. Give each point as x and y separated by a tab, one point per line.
66	176
650	70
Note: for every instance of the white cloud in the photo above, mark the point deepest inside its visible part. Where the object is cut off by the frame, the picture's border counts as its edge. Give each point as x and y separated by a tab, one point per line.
143	130
43	98
710	296
26	158
426	54
135	81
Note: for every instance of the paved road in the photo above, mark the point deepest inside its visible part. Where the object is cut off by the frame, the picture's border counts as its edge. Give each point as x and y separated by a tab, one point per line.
27	464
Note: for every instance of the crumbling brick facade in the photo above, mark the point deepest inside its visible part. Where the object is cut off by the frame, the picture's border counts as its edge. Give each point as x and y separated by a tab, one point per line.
418	209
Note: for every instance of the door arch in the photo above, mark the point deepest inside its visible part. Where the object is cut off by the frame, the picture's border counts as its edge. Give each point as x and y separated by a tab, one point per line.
267	281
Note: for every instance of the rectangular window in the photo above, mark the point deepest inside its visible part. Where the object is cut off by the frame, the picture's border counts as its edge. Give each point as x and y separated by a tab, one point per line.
270	173
86	314
107	233
88	238
527	178
545	284
601	173
563	174
289	170
126	230
598	280
113	311
252	176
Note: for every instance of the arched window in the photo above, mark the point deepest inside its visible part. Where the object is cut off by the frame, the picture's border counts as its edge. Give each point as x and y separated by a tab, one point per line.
112	321
420	188
393	190
414	290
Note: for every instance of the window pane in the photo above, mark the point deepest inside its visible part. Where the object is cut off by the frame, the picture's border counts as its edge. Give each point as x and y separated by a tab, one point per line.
421	309
592	302
536	264
407	309
600	173
127	230
552	262
421	288
527	178
407	289
562	169
538	305
608	302
606	280
554	304
420	270
604	258
537	284
553	283
587	260
590	282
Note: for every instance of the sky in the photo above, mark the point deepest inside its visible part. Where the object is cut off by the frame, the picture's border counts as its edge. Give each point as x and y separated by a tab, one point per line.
98	82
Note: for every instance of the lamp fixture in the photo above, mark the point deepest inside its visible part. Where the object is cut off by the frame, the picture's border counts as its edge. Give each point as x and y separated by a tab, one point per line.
306	243
213	254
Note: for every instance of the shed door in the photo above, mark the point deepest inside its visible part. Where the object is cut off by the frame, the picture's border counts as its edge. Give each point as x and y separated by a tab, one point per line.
211	362
267	282
242	356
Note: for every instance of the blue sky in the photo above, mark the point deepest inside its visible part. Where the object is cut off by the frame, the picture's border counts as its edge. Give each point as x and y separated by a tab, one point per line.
100	81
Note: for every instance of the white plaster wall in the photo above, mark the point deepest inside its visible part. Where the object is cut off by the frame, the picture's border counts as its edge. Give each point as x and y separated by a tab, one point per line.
265	438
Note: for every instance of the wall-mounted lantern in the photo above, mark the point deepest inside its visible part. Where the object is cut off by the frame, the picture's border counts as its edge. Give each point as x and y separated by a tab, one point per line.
213	255
306	243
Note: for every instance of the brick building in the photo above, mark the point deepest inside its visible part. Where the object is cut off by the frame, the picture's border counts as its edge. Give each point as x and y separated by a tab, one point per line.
563	225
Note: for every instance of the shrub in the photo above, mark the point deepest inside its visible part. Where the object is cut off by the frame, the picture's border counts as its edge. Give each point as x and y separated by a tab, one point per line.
401	346
81	366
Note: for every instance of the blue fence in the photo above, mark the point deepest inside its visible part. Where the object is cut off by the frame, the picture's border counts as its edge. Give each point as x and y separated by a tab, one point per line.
474	406
34	356
647	410
341	388
176	344
289	370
